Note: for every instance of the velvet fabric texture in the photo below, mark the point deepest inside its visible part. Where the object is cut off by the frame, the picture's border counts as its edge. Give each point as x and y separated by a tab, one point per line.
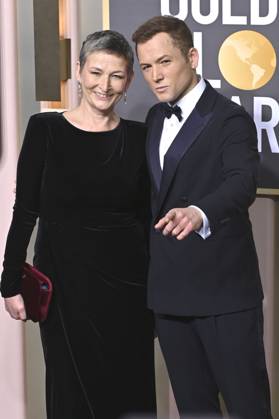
90	191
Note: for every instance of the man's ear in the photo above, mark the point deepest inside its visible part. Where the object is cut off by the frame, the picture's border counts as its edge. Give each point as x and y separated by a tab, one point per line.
193	57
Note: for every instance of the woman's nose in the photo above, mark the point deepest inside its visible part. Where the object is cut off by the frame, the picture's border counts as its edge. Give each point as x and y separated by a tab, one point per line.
105	83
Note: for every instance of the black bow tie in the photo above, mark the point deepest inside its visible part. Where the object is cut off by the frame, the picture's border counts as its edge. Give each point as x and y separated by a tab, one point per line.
170	110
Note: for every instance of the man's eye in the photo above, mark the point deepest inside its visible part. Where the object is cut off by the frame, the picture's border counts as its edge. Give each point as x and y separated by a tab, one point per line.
145	67
165	62
96	73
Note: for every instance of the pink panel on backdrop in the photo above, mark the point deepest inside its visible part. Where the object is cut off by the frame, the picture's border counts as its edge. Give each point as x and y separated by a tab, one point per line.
12	394
72	33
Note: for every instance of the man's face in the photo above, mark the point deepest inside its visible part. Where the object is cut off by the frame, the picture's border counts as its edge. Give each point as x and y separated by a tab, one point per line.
169	73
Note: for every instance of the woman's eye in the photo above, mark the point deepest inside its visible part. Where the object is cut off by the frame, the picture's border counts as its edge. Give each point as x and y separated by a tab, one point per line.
117	76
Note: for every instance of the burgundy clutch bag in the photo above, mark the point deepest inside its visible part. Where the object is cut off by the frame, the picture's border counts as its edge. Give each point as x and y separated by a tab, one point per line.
36	290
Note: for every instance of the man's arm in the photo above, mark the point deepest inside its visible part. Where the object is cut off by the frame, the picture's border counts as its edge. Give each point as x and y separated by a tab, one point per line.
236	192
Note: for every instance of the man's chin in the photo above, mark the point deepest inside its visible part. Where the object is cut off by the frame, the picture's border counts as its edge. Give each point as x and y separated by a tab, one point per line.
163	97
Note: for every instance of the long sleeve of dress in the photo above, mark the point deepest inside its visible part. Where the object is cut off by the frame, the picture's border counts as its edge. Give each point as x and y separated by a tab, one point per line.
27	205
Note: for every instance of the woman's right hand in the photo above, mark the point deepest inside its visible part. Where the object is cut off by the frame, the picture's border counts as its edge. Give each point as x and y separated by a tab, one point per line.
15	307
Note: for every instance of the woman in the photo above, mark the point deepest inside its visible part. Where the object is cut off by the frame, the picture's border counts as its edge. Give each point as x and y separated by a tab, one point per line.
82	172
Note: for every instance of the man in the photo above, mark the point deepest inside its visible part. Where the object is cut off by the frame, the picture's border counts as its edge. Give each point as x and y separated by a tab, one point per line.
204	283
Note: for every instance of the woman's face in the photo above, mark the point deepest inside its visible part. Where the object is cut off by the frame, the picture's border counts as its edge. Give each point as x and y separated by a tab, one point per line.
104	78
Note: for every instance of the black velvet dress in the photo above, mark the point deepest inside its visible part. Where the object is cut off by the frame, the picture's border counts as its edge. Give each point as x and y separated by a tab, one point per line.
90	192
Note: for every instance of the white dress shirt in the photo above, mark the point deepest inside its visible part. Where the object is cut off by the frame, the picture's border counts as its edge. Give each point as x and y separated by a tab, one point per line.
170	130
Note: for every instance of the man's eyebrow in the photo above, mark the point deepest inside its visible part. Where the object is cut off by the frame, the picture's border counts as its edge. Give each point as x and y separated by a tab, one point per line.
157	60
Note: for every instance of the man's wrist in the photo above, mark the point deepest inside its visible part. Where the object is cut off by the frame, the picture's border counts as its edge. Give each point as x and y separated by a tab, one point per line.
204	230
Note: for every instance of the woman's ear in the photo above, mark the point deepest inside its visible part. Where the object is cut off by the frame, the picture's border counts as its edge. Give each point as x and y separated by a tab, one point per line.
130	79
78	71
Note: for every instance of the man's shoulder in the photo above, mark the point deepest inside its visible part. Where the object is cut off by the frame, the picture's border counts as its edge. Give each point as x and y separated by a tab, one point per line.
231	114
229	107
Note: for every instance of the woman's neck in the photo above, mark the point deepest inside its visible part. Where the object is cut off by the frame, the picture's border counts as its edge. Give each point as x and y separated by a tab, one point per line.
89	119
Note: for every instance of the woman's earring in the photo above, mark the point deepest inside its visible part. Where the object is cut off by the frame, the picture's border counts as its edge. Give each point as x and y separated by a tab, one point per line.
79	90
125	98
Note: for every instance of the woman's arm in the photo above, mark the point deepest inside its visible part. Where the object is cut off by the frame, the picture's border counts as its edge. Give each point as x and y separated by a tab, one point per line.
26	210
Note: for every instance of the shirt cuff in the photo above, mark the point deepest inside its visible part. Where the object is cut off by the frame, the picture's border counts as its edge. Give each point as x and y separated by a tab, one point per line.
204	231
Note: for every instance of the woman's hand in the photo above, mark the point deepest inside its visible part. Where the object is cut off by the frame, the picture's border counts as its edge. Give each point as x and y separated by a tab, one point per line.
15	307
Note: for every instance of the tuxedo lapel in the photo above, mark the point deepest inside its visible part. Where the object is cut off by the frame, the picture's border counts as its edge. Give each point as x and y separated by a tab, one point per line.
184	139
187	135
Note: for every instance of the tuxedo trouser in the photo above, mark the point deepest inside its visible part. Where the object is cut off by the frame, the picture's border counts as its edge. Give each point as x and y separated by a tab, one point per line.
223	354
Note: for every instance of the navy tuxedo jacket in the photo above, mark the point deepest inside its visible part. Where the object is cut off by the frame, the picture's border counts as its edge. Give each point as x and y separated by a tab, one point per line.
212	163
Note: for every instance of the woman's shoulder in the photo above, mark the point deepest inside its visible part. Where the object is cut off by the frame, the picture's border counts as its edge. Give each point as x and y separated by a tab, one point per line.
134	123
40	124
136	126
136	130
43	122
45	116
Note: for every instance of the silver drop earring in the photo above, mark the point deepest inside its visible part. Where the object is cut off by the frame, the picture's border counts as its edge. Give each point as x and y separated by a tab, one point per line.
125	98
79	90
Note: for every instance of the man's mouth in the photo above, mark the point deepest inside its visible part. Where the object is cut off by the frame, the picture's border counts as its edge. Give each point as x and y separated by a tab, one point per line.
161	89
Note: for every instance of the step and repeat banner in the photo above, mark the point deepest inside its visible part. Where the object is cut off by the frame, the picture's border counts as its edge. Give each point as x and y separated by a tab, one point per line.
238	43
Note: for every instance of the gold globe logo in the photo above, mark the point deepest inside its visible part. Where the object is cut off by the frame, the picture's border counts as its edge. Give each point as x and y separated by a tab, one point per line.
247	60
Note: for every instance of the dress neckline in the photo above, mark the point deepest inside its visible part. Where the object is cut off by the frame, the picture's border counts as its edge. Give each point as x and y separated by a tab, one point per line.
89	132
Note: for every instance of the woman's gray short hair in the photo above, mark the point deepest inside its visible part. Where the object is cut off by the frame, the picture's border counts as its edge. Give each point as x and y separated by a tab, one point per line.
112	42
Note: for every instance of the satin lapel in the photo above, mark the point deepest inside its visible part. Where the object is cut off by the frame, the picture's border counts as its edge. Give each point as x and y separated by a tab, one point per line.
184	139
152	148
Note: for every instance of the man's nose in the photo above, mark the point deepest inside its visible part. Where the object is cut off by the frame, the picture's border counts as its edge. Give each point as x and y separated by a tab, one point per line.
156	74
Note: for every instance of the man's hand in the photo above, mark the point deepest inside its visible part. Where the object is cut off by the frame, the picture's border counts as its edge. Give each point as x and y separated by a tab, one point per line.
179	222
15	307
